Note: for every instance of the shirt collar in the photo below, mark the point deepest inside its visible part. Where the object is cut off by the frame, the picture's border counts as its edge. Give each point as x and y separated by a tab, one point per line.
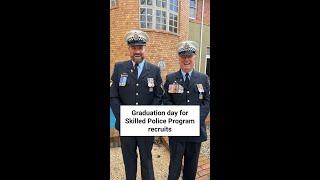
184	74
141	64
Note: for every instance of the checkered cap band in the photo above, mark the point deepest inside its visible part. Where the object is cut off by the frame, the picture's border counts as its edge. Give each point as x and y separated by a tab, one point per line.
190	49
136	37
187	48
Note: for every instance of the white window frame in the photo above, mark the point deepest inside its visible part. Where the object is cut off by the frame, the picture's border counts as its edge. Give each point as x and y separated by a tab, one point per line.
207	57
154	15
146	18
116	3
195	9
208	51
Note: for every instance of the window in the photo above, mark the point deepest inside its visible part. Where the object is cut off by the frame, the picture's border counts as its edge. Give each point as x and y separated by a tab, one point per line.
174	5
161	3
161	20
193	8
159	14
173	23
146	2
113	3
145	18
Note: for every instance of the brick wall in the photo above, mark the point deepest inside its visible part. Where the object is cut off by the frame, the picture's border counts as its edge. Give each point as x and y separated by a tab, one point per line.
162	45
206	14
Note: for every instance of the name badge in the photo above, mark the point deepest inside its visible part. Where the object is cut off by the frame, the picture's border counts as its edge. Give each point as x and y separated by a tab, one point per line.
123	80
150	82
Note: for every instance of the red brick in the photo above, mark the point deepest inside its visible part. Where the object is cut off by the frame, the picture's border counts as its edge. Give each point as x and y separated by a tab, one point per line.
206	177
114	133
201	158
205	161
205	166
197	176
199	168
204	172
208	119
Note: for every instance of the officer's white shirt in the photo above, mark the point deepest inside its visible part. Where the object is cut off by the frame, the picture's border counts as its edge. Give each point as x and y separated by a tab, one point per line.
140	67
184	74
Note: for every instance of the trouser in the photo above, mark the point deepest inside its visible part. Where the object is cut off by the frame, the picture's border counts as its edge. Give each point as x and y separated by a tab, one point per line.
190	151
129	152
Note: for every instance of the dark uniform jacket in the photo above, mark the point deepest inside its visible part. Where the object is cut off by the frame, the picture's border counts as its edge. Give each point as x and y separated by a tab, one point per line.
189	97
135	92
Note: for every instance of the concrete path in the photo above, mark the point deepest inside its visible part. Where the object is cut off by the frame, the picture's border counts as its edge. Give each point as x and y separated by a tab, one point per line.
160	156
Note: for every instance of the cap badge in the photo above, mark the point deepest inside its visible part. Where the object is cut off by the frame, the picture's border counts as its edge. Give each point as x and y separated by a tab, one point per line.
186	46
135	36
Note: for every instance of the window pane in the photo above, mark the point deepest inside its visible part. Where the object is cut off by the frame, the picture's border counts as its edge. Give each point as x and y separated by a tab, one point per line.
149	25
192	3
149	2
158	12
142	11
149	11
175	24
158	26
175	18
143	2
142	18
149	18
113	3
163	14
192	13
171	16
158	20
175	30
158	3
171	7
164	4
164	27
164	21
143	25
175	8
170	22
175	2
170	28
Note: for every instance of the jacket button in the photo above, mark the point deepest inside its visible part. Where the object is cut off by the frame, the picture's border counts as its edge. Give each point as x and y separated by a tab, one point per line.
188	100
137	94
137	103
137	84
188	92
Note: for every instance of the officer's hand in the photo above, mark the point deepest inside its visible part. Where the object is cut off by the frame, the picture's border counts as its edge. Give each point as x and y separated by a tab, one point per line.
117	132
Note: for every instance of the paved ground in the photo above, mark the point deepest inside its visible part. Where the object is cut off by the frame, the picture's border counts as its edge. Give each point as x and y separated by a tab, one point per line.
160	164
205	146
161	159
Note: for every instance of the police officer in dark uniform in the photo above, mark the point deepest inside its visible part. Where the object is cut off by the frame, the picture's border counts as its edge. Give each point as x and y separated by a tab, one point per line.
135	82
187	87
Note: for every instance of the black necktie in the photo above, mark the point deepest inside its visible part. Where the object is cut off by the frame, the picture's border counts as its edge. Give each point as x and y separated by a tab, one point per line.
136	70
187	80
